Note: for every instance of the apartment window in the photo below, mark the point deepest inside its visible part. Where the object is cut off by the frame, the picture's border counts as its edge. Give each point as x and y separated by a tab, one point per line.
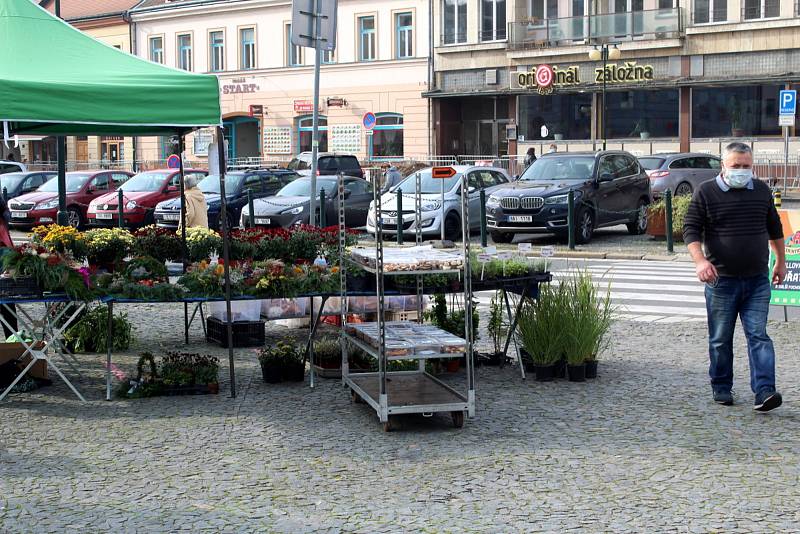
216	51
294	54
455	21
404	35
185	52
157	49
761	9
666	4
366	39
493	20
327	57
247	38
706	11
544	9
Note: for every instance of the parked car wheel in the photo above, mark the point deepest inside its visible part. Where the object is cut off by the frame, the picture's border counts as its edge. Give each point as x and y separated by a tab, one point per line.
584	226
501	237
74	217
452	227
684	188
639	225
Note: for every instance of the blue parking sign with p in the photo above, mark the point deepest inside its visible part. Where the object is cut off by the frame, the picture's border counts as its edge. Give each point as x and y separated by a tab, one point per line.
788	99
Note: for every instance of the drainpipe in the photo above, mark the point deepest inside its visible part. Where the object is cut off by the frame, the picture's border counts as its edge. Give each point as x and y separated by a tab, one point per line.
430	76
126	16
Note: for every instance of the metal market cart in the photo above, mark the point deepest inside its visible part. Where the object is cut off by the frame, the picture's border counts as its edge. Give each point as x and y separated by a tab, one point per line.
392	393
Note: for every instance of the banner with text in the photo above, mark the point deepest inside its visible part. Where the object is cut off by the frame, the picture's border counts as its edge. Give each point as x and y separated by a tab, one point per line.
788	293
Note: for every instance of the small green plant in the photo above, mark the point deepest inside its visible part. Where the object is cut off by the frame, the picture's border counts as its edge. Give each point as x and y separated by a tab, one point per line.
159	243
328	353
453	321
90	333
542	325
680	205
589	314
496	327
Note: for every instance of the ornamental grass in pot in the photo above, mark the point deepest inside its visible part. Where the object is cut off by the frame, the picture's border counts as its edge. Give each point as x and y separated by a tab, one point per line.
589	315
541	329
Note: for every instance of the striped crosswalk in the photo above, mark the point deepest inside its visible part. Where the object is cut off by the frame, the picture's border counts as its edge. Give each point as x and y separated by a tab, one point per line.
642	291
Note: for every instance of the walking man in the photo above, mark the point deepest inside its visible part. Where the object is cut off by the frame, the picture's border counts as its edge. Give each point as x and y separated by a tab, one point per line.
730	223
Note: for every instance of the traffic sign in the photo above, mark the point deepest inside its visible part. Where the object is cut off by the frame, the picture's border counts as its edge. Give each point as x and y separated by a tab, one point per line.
174	162
369	120
256	110
788	100
443	172
303	26
785	120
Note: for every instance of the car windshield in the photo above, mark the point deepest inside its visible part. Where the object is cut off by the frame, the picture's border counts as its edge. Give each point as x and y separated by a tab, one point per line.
298	164
210	184
651	164
146	181
74	183
302	188
560	168
11	180
428	184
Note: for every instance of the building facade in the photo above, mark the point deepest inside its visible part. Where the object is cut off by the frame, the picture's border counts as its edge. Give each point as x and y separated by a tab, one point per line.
380	65
691	75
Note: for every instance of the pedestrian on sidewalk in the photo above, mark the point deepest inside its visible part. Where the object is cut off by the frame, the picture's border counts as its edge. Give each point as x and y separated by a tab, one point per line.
530	157
729	224
391	177
196	207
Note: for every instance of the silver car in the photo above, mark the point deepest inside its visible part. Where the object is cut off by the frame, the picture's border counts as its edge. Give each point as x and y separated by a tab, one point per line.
434	212
680	173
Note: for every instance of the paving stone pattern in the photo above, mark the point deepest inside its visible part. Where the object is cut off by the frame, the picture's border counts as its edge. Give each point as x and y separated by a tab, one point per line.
641	449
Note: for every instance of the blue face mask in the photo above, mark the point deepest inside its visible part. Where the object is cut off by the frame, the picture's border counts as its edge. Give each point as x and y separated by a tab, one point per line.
738	178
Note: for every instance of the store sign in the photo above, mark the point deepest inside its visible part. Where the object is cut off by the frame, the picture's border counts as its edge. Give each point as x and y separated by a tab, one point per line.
627	72
336	102
237	88
544	78
303	106
256	110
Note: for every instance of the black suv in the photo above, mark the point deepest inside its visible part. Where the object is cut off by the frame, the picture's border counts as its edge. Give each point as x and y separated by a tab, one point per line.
328	164
610	188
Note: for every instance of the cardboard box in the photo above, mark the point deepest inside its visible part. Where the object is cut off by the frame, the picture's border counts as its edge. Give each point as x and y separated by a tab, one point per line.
12	351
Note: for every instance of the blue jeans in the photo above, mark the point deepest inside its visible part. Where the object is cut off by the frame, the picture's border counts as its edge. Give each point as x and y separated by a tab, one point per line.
748	298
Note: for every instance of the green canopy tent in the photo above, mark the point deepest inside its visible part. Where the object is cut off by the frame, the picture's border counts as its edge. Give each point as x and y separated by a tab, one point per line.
56	80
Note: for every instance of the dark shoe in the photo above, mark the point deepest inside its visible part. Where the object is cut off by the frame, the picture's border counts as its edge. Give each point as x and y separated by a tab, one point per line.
767	400
723	397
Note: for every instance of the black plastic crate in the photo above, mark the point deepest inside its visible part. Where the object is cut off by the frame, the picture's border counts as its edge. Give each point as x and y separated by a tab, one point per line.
19	287
245	333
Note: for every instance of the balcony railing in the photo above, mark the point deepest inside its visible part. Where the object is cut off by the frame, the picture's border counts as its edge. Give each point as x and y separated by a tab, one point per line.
607	27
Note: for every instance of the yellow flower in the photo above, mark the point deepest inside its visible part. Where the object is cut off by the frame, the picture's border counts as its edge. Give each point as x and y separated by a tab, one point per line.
220	270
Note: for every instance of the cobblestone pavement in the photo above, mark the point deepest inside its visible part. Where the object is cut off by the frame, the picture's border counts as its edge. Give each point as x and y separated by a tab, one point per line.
640	449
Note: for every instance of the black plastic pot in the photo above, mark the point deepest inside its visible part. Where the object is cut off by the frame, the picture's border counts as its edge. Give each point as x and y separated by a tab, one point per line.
545	373
591	368
576	373
561	368
294	372
527	360
271	373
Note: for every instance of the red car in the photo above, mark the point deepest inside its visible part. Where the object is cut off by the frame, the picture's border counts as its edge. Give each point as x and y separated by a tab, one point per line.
41	206
140	195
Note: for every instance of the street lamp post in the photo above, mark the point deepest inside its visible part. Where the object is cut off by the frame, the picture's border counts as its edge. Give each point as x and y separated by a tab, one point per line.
605	53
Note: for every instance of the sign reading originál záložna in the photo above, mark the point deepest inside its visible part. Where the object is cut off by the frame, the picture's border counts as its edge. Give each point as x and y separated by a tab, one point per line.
544	78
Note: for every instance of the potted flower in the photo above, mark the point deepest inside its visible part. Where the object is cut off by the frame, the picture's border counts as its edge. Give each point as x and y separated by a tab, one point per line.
202	243
328	358
497	328
206	373
542	330
61	239
656	217
159	243
107	247
283	361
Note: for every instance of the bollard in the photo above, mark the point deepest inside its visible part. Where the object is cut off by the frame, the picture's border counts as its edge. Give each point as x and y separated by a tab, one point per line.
776	195
120	208
668	215
250	209
5	194
571	219
483	218
322	209
399	216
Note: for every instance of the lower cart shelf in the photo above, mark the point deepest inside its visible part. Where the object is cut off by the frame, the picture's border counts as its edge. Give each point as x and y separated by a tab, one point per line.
408	392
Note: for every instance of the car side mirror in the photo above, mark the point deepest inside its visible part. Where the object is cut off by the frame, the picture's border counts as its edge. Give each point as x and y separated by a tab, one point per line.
606	177
515	178
90	190
471	189
171	189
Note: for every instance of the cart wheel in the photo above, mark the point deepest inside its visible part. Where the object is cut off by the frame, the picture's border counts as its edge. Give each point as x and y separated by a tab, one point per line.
458	419
387	426
355	397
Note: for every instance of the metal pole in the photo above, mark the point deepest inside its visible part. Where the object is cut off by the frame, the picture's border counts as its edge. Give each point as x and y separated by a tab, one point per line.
785	156
61	155
5	194
399	216
184	259
605	61
484	241
226	253
250	210
571	219
322	216
109	347
315	120
668	214
442	221
120	208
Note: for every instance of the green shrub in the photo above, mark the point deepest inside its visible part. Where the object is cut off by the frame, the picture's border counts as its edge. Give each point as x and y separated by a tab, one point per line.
90	333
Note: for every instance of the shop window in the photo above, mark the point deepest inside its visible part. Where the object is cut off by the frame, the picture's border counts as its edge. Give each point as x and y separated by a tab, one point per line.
735	111
216	51
305	132
247	54
404	35
705	11
454	21
157	49
366	39
185	52
387	137
761	9
294	54
634	113
493	20
567	115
